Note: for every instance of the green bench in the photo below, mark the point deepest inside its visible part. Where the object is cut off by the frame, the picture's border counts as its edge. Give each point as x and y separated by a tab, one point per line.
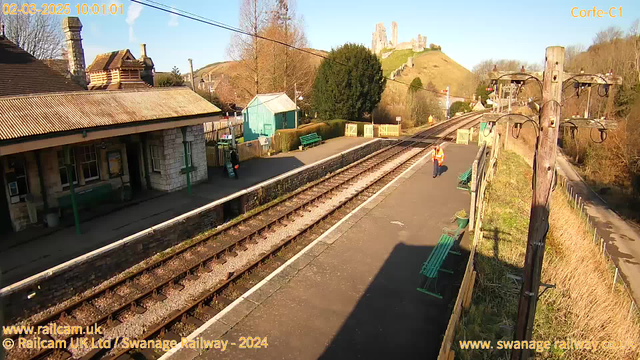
91	196
310	139
433	265
464	179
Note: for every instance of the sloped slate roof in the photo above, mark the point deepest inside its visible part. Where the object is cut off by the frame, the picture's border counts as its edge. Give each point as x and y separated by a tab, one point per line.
277	102
21	73
61	66
24	116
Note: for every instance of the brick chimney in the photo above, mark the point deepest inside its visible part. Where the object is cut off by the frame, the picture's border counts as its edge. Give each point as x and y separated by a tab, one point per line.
72	28
148	71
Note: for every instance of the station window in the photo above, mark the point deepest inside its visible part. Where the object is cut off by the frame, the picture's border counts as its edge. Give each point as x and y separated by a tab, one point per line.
64	180
17	179
89	162
156	157
189	155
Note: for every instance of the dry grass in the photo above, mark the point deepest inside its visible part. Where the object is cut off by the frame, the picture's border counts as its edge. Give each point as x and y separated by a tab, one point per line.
584	304
583	307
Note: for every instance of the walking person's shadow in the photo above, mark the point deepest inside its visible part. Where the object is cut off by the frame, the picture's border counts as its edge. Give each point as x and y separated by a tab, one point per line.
443	169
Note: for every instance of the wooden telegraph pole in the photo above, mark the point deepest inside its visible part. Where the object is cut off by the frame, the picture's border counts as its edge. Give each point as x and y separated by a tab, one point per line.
543	173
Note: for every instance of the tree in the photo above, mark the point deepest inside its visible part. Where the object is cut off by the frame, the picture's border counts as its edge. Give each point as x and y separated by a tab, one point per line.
431	86
571	52
607	35
482	92
213	98
38	34
459	106
348	83
483	68
414	102
285	68
425	104
269	66
177	77
171	79
245	49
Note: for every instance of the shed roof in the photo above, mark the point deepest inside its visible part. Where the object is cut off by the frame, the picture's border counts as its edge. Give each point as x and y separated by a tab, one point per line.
21	73
276	103
40	114
115	60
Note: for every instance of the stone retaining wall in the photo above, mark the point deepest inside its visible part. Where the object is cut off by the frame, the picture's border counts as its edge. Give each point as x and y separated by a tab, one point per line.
76	276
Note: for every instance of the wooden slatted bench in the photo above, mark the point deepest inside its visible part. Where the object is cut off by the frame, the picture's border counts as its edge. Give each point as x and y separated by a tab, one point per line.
464	179
88	197
310	140
433	265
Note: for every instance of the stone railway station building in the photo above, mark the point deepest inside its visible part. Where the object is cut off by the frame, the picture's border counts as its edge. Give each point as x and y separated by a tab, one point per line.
57	137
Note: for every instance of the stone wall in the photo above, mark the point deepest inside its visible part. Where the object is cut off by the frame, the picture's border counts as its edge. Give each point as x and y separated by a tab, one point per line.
171	174
75	276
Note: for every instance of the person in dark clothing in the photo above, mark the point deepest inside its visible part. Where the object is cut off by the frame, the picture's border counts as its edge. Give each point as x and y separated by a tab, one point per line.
235	162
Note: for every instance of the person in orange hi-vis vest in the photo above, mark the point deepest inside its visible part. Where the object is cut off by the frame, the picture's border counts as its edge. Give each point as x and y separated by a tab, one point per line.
438	159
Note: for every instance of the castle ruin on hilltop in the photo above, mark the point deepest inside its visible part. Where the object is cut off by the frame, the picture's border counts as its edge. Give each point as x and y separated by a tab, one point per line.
379	40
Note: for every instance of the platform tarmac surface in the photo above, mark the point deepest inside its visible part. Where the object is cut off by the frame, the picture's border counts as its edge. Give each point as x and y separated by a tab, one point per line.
21	256
352	293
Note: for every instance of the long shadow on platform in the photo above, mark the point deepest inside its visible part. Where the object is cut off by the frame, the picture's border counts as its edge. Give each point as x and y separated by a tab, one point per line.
259	168
111	225
394	320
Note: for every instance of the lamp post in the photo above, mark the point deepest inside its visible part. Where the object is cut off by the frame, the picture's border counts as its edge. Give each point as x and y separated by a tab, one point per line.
202	82
295	97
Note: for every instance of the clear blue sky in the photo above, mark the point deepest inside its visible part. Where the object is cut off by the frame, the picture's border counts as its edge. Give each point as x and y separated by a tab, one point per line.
469	32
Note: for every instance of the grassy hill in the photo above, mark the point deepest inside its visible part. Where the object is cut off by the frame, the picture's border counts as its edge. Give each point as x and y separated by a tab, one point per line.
396	59
435	67
234	70
430	66
232	67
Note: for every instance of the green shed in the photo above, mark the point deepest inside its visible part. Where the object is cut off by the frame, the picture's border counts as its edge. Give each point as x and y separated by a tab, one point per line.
267	113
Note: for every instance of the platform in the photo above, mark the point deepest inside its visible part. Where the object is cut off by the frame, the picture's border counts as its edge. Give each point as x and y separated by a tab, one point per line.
28	252
352	292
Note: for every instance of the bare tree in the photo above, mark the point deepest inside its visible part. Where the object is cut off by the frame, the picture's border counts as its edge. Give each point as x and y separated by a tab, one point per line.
634	38
609	34
244	48
571	52
483	68
271	66
40	35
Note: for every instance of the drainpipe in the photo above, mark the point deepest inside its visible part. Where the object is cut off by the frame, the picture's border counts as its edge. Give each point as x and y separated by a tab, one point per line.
145	160
67	162
43	188
186	158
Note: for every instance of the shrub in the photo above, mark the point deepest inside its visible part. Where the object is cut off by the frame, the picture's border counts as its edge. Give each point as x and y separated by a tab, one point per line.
459	106
348	83
289	139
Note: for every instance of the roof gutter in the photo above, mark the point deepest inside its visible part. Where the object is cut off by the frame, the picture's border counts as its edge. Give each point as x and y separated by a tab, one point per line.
35	142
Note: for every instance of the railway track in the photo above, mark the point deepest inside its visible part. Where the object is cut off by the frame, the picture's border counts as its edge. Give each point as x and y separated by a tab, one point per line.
171	297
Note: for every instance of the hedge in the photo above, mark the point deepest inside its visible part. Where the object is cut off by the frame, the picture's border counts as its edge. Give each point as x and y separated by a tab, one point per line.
289	139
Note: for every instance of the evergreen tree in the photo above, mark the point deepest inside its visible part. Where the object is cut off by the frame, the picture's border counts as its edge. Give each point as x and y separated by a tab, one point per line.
348	84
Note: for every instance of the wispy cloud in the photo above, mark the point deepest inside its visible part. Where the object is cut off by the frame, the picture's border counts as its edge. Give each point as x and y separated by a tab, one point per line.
173	18
95	29
132	14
